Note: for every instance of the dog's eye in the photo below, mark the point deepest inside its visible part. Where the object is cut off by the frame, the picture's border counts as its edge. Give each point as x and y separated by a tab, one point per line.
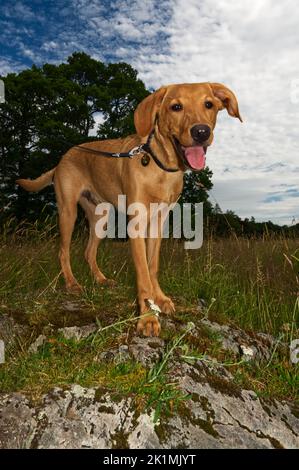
177	107
209	104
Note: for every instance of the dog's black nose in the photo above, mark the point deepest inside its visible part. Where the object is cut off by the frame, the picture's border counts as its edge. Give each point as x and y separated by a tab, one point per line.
200	133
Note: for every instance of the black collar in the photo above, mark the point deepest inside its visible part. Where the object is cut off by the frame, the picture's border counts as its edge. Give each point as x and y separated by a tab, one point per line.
147	148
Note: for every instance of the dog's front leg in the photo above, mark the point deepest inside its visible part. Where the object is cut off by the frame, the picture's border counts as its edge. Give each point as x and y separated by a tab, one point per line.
153	254
148	325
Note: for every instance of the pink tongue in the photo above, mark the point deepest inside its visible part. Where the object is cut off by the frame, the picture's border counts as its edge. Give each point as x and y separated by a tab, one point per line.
196	157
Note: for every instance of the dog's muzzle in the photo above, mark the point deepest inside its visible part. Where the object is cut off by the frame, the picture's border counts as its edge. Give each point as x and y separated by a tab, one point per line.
194	157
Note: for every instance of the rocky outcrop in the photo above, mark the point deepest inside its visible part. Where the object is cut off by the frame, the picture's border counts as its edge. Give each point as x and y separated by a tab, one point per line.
217	415
215	412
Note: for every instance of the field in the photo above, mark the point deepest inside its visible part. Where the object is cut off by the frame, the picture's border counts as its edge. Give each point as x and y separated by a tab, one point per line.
252	284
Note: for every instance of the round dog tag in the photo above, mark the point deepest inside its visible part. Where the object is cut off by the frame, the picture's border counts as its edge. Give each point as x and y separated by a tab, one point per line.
145	160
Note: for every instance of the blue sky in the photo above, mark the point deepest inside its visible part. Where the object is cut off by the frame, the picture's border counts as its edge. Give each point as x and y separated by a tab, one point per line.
251	46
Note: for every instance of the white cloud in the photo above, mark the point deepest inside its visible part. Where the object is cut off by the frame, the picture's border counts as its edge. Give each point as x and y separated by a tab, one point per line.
98	119
20	10
252	47
9	66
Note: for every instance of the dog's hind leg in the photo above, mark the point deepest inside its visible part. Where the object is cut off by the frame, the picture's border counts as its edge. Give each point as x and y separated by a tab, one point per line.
67	218
67	200
93	241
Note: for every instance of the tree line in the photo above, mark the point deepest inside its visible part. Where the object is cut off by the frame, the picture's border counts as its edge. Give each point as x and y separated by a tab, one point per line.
50	108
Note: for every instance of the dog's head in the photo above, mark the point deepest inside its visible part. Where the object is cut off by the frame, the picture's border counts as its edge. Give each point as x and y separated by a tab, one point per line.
186	114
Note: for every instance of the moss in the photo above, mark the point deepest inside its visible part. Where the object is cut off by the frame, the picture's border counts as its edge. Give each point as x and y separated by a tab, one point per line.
154	345
163	432
106	409
207	407
199	343
120	440
264	403
275	443
195	397
206	425
116	397
195	374
295	411
42	424
99	392
224	386
285	420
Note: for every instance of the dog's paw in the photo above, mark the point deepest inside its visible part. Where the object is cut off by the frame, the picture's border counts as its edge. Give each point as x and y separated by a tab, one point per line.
149	326
108	283
166	305
74	288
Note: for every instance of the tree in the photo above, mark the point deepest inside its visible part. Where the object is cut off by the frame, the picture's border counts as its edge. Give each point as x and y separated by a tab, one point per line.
49	109
125	91
196	188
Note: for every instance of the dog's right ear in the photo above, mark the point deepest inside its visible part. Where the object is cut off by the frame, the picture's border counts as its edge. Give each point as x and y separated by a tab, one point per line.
146	112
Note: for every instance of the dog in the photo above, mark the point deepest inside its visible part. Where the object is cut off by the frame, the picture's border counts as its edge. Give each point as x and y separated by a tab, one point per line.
176	122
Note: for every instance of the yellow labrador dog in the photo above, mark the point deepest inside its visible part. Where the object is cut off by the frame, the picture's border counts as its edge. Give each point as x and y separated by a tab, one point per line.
176	122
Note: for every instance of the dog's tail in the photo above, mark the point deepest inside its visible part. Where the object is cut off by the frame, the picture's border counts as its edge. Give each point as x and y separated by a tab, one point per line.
39	183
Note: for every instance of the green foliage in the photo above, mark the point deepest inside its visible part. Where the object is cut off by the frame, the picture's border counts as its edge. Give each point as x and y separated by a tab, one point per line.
196	189
230	224
124	92
196	186
51	108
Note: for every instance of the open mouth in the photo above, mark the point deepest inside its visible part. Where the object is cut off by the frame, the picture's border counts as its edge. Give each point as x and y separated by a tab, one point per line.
194	157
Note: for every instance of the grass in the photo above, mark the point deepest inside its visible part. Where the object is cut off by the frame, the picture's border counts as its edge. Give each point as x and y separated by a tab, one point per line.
62	362
249	283
281	380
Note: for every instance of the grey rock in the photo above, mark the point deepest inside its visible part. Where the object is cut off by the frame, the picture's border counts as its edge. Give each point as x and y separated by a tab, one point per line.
218	415
13	333
117	355
202	305
123	353
169	325
78	332
71	306
147	351
40	340
107	356
17	422
256	347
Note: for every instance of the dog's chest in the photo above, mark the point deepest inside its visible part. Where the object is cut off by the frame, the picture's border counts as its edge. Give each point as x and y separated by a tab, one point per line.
165	188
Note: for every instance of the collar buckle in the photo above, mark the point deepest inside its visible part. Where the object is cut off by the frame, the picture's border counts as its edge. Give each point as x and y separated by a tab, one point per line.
135	151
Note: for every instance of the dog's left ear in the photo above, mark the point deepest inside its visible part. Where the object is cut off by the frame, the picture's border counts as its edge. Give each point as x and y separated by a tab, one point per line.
146	111
227	98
